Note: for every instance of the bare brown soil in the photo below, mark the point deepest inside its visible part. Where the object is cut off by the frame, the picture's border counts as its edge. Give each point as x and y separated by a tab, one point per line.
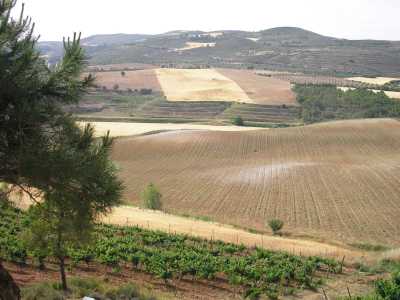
141	79
336	181
263	90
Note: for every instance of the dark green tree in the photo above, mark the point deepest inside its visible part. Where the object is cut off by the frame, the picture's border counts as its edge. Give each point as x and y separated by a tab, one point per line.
151	197
41	147
276	225
238	121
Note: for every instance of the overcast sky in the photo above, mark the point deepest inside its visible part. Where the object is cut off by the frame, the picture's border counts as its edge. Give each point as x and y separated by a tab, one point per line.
353	19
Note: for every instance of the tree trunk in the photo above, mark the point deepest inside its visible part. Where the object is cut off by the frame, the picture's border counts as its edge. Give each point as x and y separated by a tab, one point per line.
8	288
62	273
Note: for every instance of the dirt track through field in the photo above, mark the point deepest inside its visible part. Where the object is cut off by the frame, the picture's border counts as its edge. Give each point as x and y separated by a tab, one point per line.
335	181
132	216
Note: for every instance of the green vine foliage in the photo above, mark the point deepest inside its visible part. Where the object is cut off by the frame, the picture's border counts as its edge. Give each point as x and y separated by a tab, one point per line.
174	257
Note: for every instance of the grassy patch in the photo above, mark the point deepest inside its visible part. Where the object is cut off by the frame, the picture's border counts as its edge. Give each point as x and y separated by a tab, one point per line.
91	287
370	247
200	218
383	266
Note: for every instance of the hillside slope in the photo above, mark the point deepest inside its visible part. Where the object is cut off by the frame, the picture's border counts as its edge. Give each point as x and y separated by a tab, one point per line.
338	180
283	48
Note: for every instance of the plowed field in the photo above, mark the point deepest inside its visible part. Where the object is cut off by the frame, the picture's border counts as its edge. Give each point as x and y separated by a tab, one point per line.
261	89
141	79
335	181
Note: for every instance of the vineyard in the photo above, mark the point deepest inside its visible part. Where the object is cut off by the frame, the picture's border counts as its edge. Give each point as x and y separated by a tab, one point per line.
177	257
336	181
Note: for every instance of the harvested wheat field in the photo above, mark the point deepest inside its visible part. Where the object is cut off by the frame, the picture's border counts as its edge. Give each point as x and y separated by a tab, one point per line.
119	129
333	181
199	85
377	80
261	89
140	79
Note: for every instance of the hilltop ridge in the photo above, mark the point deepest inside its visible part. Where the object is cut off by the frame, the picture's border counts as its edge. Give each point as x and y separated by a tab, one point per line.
281	48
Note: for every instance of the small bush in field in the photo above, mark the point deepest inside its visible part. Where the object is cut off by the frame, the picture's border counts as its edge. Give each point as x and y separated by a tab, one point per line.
238	121
151	197
276	225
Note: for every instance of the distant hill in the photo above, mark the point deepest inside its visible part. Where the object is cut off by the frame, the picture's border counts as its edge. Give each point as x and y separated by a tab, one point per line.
282	48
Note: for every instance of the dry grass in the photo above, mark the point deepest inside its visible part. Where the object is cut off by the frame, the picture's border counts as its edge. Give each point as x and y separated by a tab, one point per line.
156	220
119	129
126	215
141	79
336	181
377	80
199	85
261	89
193	45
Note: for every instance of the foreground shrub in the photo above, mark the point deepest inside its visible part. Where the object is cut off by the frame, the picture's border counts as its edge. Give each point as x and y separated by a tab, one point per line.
389	289
41	291
151	197
276	225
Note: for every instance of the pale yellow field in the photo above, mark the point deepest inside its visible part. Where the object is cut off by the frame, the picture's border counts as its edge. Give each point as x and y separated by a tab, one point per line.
199	85
377	80
118	129
193	45
393	95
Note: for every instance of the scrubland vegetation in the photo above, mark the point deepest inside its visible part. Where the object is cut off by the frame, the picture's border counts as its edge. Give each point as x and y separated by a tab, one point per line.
326	102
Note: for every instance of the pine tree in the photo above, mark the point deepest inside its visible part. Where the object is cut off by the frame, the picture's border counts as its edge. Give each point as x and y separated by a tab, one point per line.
41	146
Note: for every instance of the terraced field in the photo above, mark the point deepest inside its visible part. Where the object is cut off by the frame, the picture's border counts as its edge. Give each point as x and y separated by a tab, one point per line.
336	181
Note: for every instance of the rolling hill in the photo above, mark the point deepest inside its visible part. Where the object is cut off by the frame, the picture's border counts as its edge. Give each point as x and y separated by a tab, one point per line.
283	48
338	181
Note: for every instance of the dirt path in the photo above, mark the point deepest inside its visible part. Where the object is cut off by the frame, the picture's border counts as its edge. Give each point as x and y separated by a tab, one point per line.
132	216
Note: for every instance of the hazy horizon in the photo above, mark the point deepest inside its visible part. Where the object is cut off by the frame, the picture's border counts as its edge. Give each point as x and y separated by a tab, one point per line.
354	19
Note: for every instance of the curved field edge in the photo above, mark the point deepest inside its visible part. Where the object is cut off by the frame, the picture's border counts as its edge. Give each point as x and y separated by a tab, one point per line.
212	231
338	180
120	129
156	220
